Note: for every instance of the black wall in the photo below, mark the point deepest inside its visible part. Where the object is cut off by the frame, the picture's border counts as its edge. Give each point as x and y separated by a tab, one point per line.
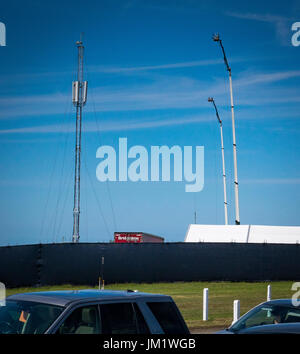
68	263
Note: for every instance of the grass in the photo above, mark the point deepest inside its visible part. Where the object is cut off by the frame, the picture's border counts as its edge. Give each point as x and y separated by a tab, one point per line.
188	297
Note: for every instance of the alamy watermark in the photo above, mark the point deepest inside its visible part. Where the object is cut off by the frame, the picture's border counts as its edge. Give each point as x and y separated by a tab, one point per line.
296	295
2	294
296	36
154	166
2	34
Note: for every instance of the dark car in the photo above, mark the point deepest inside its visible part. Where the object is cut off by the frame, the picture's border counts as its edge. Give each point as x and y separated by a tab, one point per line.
91	312
280	328
276	316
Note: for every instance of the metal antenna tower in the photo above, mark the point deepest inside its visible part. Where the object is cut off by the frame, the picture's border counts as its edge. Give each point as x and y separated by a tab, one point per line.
210	99
79	96
216	38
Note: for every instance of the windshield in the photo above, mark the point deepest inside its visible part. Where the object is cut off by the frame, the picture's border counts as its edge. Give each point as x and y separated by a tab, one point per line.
267	314
24	317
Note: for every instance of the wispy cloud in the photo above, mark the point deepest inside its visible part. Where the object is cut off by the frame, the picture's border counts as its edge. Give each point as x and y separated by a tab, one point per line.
120	69
281	23
141	123
105	69
90	127
163	92
23	183
34	99
272	181
26	77
265	78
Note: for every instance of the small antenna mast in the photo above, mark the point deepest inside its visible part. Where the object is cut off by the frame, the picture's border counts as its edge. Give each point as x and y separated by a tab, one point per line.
79	96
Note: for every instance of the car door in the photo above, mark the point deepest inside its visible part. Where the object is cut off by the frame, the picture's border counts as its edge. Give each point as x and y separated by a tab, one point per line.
104	318
122	318
82	320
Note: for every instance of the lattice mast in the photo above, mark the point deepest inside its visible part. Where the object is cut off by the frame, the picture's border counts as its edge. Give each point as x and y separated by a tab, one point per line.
79	96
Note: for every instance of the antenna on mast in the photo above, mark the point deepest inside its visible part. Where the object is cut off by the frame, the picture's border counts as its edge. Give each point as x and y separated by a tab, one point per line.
210	99
79	97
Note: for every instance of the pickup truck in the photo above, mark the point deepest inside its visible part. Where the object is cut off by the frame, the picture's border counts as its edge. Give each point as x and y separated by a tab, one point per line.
91	312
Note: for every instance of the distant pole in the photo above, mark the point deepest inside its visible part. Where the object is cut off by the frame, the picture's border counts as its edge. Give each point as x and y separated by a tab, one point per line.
205	304
216	38
102	271
236	310
79	95
269	293
210	99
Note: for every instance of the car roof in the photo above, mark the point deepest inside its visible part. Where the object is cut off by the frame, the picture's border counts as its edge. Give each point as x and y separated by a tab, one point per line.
283	302
66	297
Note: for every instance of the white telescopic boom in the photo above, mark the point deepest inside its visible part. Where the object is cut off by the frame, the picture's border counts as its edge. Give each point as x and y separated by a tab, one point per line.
224	176
236	184
210	99
216	38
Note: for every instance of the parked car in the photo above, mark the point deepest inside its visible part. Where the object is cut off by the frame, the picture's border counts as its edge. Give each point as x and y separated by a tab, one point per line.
91	312
280	328
276	316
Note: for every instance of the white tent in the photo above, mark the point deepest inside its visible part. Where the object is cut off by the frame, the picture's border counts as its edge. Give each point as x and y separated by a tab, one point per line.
243	233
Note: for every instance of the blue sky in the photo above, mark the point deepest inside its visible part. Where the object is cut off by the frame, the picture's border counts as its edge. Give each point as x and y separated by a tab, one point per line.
151	65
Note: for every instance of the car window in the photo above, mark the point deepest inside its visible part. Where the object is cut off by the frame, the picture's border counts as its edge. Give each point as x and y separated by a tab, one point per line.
262	317
26	317
292	315
267	314
83	320
121	318
167	316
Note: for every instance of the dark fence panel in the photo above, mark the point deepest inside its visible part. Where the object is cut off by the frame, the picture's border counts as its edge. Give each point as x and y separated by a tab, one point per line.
19	265
54	264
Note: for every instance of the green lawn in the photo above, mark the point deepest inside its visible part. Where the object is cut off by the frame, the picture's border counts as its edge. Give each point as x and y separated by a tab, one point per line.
188	297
